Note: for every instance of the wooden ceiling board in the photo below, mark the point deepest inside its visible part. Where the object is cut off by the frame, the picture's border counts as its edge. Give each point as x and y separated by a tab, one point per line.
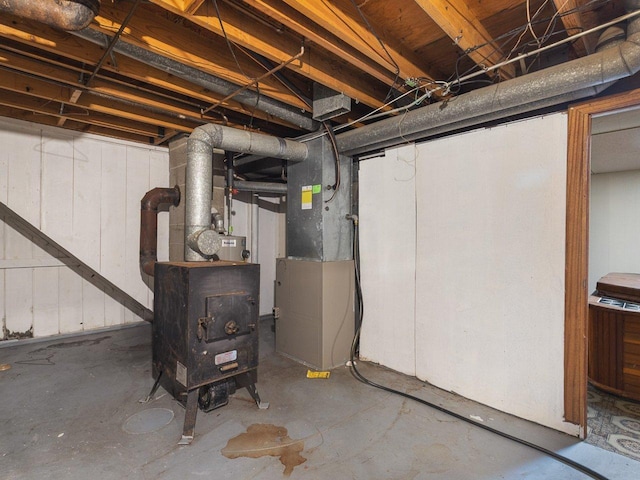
75	53
316	65
404	21
210	54
312	32
52	121
342	51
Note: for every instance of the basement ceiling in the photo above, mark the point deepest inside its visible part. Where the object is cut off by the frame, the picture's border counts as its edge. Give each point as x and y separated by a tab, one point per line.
383	54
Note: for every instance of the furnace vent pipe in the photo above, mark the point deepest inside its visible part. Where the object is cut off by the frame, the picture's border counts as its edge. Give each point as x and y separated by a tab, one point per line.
569	81
63	14
200	240
150	205
260	187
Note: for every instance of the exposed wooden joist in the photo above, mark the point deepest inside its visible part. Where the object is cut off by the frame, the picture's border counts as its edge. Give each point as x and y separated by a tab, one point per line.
53	108
573	24
190	6
91	103
29	116
316	65
297	22
159	35
67	47
98	86
457	20
352	30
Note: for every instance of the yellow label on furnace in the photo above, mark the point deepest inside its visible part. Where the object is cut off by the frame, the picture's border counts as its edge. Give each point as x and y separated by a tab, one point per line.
307	197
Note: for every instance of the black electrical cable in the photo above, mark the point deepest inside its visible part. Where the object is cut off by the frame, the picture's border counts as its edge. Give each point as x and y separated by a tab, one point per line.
358	376
384	48
233	54
336	157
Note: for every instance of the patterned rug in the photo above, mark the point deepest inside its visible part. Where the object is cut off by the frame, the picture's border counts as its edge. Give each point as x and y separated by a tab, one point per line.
613	423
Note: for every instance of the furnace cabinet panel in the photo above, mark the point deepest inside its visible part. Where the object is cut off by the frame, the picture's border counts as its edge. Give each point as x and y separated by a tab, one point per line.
316	320
205	325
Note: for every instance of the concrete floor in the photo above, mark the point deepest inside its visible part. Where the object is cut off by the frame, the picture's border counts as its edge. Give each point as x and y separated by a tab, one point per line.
68	407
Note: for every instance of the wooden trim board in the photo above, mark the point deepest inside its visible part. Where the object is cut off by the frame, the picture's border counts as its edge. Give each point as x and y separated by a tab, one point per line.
577	249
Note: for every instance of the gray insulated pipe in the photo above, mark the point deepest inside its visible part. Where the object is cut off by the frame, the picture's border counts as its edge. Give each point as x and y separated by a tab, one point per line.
63	14
570	81
215	84
201	242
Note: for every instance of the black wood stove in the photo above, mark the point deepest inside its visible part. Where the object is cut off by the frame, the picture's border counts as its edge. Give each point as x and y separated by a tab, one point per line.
205	333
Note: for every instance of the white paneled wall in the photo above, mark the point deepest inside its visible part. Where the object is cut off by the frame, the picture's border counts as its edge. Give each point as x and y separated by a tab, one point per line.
84	192
388	230
614	235
480	249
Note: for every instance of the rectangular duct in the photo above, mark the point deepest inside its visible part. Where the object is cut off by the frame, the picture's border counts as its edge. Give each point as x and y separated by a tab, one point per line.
317	227
328	103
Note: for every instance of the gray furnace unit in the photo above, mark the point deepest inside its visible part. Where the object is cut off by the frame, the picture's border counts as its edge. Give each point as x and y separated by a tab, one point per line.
314	310
315	283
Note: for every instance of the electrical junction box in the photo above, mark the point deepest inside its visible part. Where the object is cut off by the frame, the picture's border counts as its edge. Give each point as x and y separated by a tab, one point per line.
315	304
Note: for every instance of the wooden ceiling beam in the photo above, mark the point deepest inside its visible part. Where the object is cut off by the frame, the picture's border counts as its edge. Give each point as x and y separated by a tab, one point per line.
316	64
52	108
98	86
67	47
190	6
465	29
573	24
29	116
159	35
352	29
300	24
89	102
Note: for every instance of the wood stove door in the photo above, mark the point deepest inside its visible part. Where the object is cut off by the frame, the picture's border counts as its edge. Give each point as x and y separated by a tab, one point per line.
226	338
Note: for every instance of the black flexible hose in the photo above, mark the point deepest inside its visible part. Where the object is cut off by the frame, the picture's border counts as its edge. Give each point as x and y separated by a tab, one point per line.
358	376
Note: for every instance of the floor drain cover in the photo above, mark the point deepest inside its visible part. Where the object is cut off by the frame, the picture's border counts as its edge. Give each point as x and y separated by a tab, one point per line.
148	421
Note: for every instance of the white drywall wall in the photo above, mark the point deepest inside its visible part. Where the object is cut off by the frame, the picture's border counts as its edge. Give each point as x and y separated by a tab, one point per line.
489	232
614	233
84	192
388	258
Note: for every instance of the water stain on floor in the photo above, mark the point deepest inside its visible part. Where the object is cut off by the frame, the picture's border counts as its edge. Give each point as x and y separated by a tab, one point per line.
267	440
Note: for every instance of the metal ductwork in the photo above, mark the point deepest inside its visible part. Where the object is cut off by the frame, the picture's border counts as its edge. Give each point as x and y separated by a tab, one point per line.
570	81
260	187
149	207
63	14
215	84
201	241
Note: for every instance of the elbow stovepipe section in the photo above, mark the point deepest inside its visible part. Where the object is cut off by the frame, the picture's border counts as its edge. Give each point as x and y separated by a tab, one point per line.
150	205
69	15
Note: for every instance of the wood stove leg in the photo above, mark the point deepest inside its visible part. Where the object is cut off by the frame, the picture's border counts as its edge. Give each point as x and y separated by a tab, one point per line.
190	418
253	391
153	391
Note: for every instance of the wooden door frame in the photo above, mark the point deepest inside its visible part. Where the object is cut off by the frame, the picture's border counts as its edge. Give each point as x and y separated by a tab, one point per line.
577	249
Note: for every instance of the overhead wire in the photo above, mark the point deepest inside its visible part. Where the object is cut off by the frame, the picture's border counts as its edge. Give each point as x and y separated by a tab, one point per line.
383	46
235	58
443	85
336	157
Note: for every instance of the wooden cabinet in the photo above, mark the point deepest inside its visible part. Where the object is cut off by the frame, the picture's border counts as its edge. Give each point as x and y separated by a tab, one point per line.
614	335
